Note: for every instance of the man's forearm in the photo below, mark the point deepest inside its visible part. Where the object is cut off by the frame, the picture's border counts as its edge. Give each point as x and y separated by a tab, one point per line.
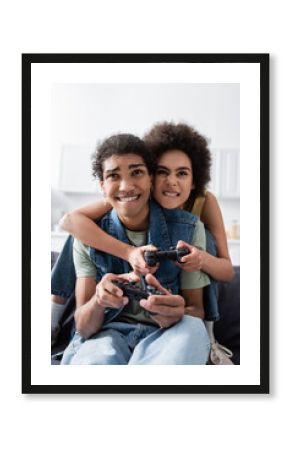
193	302
89	318
194	311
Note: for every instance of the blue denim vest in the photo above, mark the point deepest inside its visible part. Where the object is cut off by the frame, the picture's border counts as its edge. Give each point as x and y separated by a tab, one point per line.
63	276
166	227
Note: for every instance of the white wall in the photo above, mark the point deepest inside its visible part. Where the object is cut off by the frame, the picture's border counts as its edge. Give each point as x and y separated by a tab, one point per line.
82	114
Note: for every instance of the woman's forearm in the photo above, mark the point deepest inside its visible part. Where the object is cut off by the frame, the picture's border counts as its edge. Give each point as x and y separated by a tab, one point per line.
86	231
220	269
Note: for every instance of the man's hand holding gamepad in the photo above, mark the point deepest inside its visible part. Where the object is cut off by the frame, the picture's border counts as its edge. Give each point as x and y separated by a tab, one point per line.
137	261
168	309
111	296
191	262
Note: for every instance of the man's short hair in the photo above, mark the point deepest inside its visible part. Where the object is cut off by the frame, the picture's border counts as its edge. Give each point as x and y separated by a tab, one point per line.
118	145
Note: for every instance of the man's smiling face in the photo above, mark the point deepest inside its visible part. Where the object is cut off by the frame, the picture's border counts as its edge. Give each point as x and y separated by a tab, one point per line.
126	185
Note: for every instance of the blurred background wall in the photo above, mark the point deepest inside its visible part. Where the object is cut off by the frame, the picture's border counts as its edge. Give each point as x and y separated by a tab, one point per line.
84	114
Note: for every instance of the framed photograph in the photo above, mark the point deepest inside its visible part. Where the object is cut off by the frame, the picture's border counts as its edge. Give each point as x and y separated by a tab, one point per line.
73	104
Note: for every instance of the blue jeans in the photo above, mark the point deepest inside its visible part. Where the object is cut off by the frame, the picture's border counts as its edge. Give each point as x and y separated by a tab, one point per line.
184	343
63	275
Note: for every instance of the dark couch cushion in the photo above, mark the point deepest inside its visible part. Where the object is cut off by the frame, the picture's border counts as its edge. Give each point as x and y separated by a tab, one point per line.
227	329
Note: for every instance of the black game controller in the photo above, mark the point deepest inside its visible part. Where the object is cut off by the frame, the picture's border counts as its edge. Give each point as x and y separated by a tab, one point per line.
135	292
152	257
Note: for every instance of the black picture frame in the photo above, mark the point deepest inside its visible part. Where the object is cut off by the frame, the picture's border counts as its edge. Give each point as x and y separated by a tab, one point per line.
259	59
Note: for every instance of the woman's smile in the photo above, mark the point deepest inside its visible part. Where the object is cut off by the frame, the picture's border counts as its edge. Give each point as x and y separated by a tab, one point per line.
171	193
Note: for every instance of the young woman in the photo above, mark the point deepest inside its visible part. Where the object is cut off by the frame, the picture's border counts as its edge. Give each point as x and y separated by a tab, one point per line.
182	171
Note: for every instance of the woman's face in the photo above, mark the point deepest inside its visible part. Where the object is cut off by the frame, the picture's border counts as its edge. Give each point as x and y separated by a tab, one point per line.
173	179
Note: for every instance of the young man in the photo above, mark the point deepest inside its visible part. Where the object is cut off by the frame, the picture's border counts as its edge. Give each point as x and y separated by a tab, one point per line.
164	329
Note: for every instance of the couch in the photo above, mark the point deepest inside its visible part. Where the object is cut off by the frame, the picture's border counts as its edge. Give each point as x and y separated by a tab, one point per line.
227	329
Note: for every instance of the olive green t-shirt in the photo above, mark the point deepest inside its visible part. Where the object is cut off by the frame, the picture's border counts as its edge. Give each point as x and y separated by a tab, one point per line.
132	312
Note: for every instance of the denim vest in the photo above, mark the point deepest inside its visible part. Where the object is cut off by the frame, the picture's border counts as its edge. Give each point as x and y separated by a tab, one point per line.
166	227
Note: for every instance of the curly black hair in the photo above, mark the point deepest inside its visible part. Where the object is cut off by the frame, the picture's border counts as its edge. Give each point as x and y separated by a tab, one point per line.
119	144
166	136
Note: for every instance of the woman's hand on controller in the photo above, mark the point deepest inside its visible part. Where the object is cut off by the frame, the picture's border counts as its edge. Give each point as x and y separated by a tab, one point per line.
137	261
193	261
